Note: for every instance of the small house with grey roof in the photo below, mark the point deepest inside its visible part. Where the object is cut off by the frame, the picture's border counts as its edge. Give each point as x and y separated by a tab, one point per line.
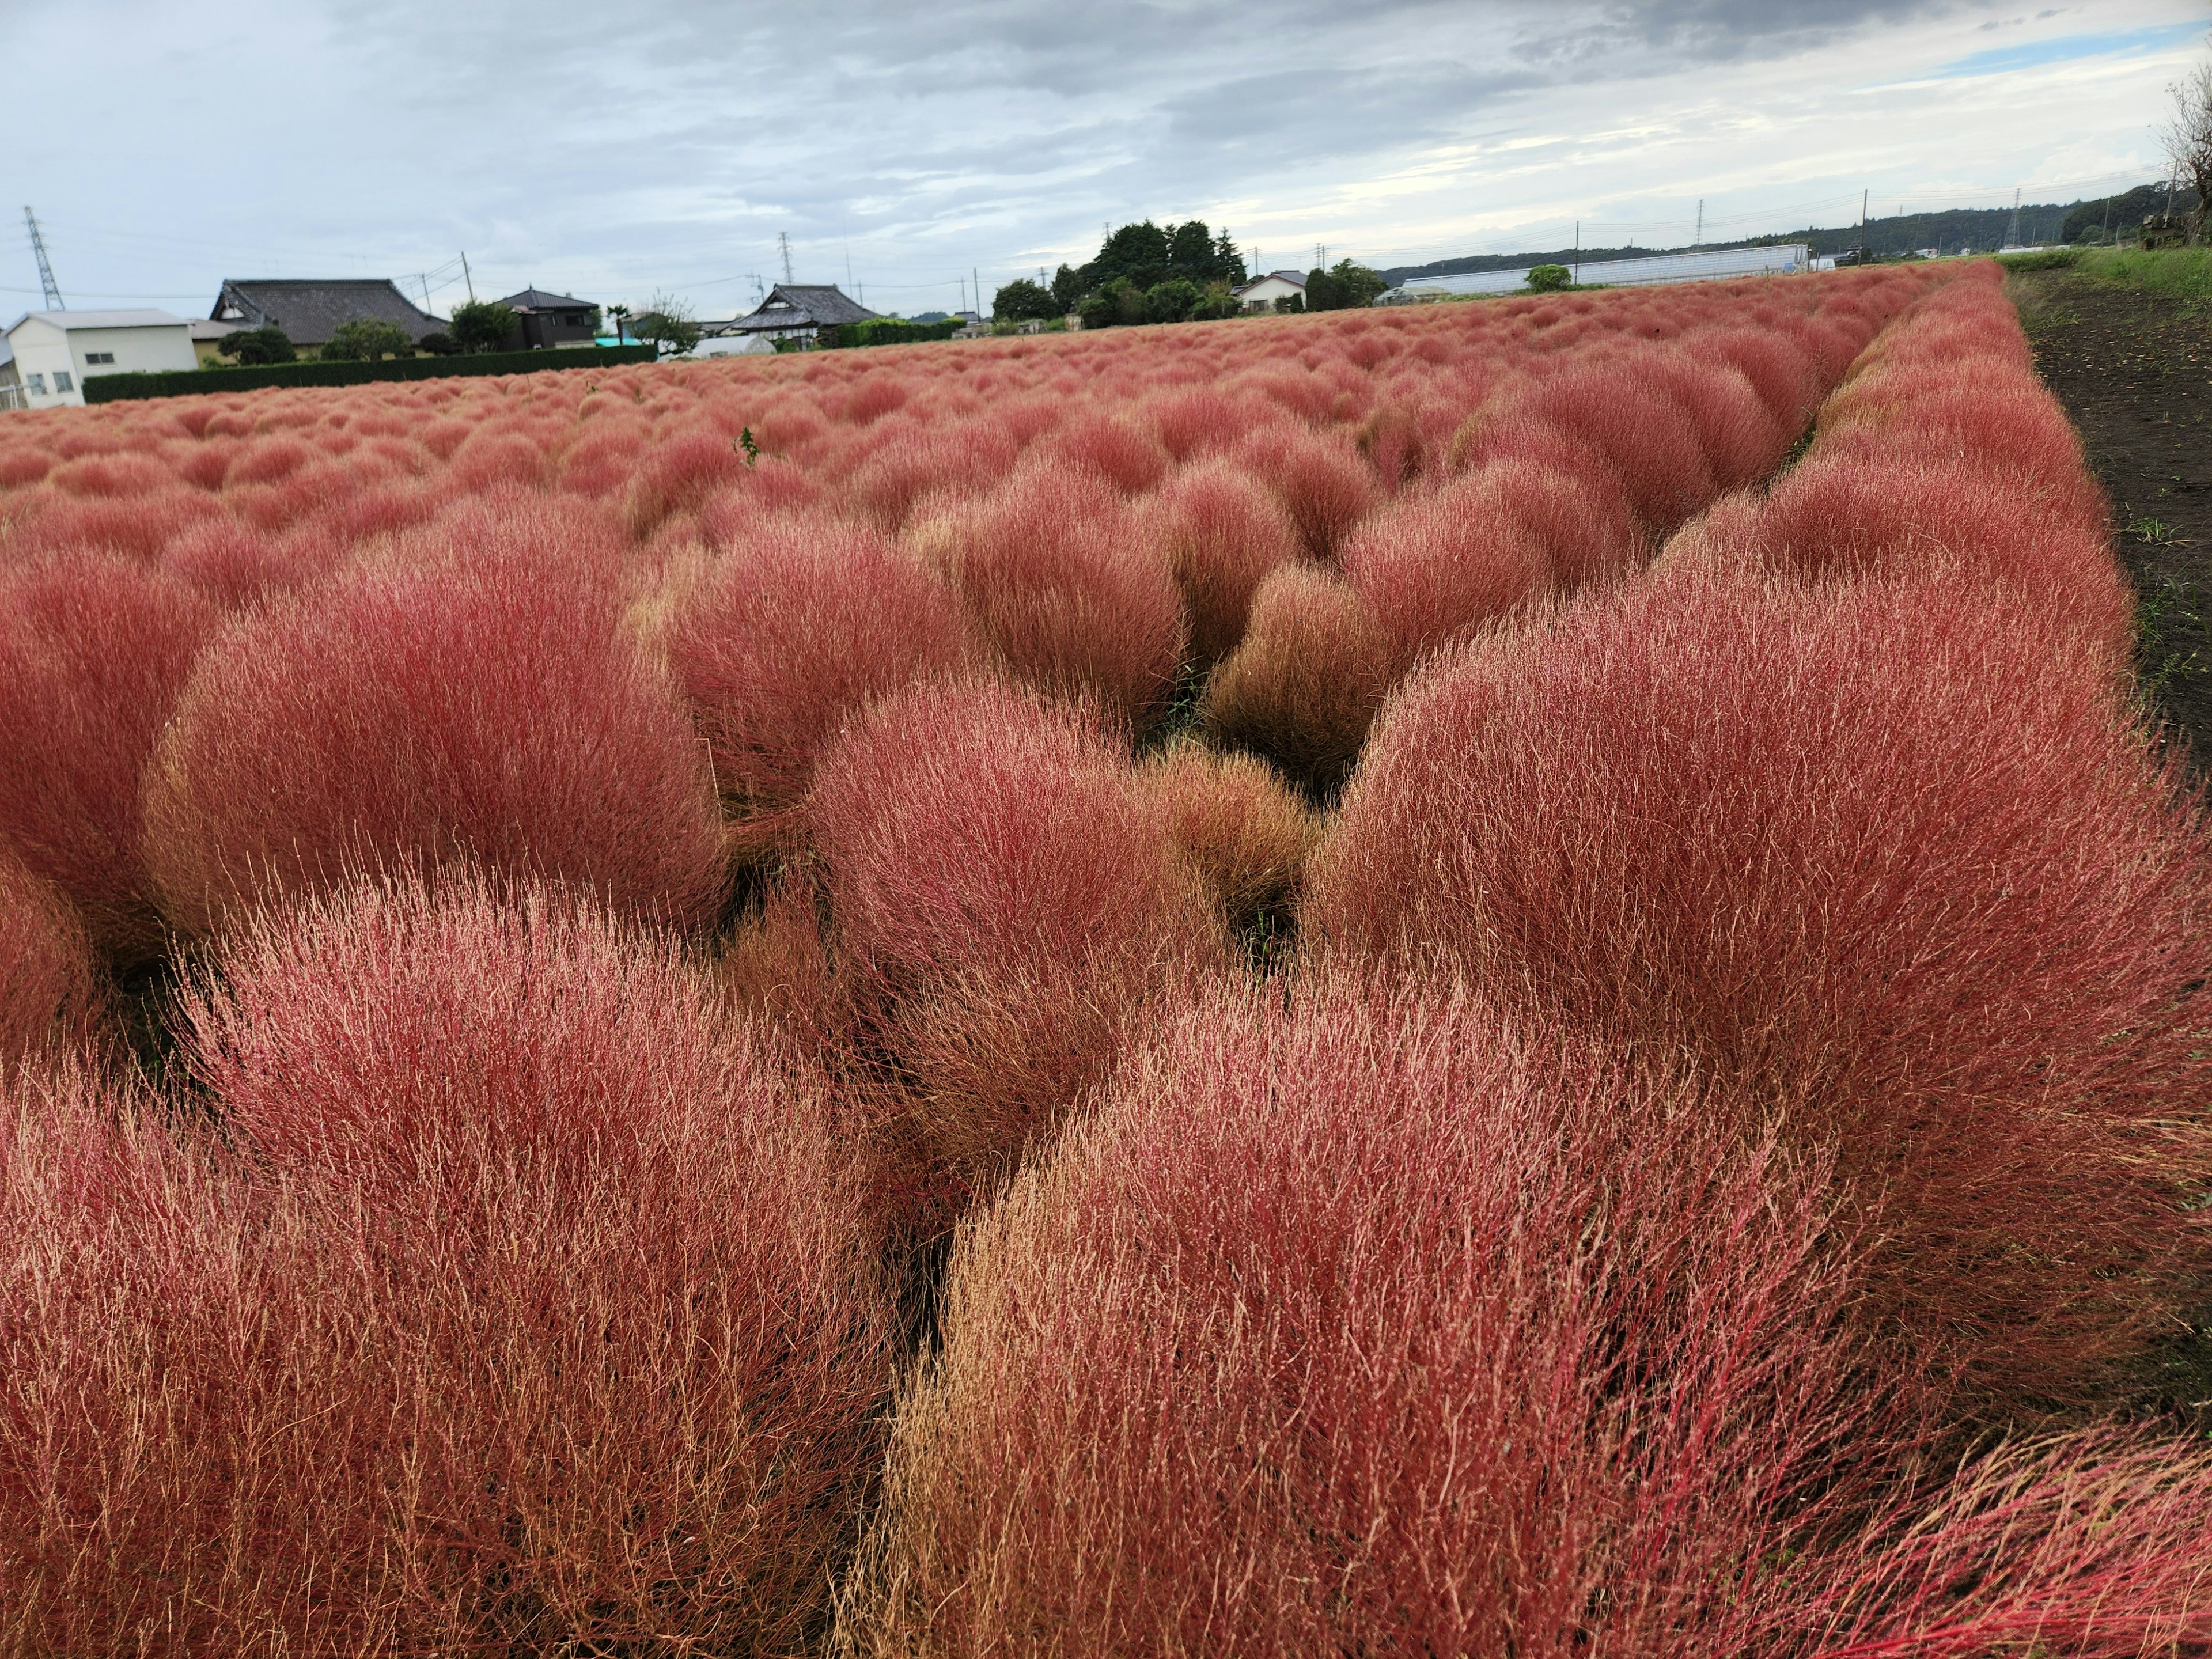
550	319
309	313
800	311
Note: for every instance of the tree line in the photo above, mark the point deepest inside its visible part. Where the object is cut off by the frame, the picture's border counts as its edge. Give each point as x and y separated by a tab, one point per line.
1174	273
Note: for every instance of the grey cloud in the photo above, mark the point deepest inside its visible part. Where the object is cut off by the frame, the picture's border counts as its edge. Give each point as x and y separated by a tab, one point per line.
1666	35
678	137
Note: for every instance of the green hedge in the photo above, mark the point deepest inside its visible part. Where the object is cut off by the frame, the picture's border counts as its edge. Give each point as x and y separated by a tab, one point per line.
887	330
2051	258
189	382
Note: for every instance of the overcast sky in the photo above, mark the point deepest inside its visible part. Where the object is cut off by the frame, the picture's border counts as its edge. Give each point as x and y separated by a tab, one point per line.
611	150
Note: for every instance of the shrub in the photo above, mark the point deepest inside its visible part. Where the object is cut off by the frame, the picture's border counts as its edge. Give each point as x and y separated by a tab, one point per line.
1128	459
1195	421
1054	571
916	464
1325	486
1238	826
367	340
1432	568
533	1310
1007	898
1833	518
94	654
128	524
786	638
1644	434
485	325
1887	856
680	474
773	968
1741	438
254	347
1532	1360
1780	371
1303	688
48	998
1221	534
1549	279
474	704
234	564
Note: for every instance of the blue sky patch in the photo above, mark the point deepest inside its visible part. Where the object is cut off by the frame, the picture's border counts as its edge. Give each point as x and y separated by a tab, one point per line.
2065	49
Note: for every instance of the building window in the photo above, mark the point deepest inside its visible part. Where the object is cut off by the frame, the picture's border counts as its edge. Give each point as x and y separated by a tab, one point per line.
91	357
62	381
37	383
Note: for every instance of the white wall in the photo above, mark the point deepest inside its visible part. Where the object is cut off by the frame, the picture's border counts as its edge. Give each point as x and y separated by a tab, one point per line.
1267	290
1718	264
46	351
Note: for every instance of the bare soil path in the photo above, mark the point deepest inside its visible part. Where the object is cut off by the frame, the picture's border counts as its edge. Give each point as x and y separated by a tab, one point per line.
2134	370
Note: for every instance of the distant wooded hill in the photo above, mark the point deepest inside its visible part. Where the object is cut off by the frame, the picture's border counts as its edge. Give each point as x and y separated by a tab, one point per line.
1980	230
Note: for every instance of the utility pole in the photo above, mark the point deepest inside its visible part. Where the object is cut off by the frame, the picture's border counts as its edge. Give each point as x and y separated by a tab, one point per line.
1578	253
783	242
972	271
467	278
2012	234
1863	196
423	277
759	294
48	286
1699	240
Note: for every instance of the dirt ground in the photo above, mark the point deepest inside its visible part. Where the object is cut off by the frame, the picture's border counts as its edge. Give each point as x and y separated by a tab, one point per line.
2135	372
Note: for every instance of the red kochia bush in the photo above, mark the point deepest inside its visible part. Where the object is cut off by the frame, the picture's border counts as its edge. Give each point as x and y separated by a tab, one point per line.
1535	1361
680	473
1887	855
1237	824
48	995
917	461
1303	688
1006	897
530	1312
1374	1329
1130	459
1056	573
94	651
1222	533
785	636
417	710
1325	487
1435	565
1835	517
1646	433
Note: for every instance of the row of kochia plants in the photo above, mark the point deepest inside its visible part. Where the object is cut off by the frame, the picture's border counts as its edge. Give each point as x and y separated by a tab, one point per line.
1514	978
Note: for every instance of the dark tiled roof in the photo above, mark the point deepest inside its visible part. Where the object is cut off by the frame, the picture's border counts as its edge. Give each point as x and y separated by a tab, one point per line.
310	313
799	305
536	298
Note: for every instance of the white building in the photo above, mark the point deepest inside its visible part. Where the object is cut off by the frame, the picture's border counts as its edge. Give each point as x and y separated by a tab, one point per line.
1263	292
1700	265
50	354
734	345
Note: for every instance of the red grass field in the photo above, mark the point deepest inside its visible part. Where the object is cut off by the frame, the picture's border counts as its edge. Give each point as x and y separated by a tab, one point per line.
1511	976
